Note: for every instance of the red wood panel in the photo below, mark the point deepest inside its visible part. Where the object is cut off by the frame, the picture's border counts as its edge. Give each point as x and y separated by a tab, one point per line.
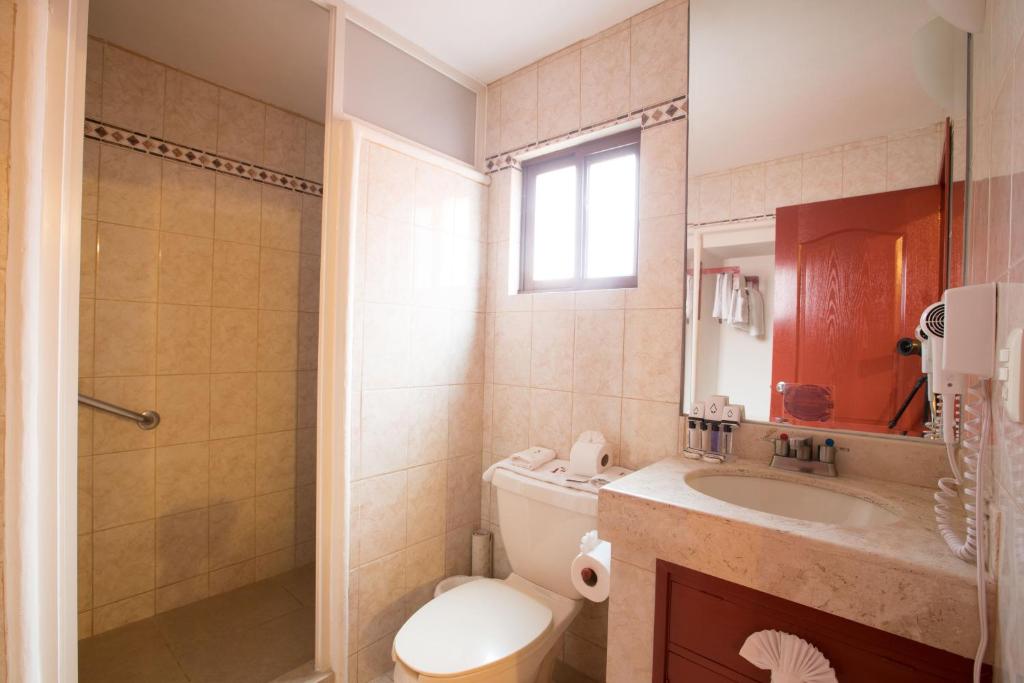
704	621
852	277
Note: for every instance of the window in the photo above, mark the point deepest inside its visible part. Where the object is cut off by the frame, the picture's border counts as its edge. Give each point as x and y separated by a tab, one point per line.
580	216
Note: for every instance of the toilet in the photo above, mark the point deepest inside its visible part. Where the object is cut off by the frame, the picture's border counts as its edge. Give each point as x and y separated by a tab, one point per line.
505	631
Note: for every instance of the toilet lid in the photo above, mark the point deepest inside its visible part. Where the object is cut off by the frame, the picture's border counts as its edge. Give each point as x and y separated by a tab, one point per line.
470	627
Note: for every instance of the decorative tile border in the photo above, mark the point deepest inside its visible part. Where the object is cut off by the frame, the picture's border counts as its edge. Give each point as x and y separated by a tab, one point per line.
655	115
148	144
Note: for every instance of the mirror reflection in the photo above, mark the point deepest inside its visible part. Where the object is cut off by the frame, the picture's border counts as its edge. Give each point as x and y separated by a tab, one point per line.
817	234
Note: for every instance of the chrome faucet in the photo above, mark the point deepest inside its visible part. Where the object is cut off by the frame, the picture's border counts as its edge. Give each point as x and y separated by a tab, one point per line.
804	458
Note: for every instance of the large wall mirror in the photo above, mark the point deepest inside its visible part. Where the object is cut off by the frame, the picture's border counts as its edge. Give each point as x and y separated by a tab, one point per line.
826	203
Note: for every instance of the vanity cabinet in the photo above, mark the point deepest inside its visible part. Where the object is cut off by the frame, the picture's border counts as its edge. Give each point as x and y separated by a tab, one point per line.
701	623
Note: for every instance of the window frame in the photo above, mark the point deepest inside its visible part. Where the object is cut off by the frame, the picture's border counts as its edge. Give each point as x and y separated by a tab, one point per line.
580	156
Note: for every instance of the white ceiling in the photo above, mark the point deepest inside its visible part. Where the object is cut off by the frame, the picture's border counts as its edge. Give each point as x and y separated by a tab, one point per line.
488	40
771	79
273	50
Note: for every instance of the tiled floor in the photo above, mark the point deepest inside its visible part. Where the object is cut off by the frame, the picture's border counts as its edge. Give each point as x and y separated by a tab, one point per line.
250	635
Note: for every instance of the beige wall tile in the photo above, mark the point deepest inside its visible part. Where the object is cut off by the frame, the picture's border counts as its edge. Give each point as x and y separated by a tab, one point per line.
747	192
182	546
123	562
93	74
187	199
237	214
183	339
280	218
275	521
190	111
312	210
308	343
236	273
381	591
913	160
275	462
387	340
597	359
126	261
600	413
658	57
278	340
305	521
783	183
457	551
84	572
234	340
428	427
279	280
85	524
112	433
558	96
389	259
186	269
465	426
630	610
182	478
462	507
715	197
284	146
661	264
663	170
379	515
90	178
232	404
275	401
512	338
309	283
122	488
305	399
605	78
182	593
425	514
390	175
129	187
133	91
864	168
493	134
551	420
430	351
511	428
240	128
424	567
649	432
88	261
385	428
822	176
552	347
652	354
313	168
232	540
183	402
519	110
232	469
125	338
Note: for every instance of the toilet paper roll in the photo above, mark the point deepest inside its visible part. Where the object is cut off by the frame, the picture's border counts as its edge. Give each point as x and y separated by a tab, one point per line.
481	553
592	571
589	459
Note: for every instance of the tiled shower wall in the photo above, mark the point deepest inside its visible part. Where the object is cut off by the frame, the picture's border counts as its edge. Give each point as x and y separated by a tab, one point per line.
418	386
559	364
199	298
894	162
997	255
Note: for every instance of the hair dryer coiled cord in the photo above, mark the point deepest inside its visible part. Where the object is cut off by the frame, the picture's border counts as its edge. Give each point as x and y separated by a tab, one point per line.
971	547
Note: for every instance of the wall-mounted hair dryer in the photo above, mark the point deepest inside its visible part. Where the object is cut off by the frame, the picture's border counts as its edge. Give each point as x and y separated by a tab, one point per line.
945	384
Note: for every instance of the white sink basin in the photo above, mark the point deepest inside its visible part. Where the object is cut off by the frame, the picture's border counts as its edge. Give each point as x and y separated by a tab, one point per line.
789	499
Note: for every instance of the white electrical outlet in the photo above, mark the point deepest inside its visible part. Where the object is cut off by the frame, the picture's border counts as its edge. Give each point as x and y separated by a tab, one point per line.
1010	373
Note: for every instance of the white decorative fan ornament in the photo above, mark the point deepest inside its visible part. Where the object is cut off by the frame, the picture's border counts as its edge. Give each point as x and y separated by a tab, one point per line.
789	658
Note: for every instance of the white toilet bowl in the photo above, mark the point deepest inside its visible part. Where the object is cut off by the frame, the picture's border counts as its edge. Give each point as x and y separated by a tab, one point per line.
491	630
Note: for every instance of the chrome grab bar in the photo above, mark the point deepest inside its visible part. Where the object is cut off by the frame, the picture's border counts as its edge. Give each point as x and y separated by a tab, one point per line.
147	419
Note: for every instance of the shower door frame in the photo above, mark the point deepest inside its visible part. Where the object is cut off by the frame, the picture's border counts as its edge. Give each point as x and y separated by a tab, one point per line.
41	358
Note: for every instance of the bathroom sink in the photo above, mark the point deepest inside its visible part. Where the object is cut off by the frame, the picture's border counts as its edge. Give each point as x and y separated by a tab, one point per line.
790	499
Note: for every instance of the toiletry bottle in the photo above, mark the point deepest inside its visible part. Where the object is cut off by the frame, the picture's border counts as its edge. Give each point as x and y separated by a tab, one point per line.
692	435
727	438
705	436
716	438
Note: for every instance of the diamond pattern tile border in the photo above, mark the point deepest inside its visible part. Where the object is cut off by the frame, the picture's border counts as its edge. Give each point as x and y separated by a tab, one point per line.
655	115
148	144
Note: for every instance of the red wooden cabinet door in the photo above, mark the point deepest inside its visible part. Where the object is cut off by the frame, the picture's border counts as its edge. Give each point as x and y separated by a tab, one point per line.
851	277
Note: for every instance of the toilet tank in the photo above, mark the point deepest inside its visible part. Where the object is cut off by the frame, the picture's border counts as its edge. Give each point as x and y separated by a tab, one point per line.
541	525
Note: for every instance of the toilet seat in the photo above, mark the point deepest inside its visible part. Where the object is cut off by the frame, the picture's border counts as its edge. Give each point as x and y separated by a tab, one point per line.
477	626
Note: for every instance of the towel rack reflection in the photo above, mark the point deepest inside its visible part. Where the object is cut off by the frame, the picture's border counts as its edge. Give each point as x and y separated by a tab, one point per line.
147	419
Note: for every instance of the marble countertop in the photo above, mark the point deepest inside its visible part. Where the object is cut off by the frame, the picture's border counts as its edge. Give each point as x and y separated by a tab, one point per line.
899	577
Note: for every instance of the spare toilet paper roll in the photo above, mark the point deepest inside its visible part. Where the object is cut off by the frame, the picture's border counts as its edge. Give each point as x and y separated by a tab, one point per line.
589	458
592	572
481	553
